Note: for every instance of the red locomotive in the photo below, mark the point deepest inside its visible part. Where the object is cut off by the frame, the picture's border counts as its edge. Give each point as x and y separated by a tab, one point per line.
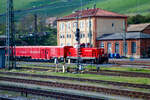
94	55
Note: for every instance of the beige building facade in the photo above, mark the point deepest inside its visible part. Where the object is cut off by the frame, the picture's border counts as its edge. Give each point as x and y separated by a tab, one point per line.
97	20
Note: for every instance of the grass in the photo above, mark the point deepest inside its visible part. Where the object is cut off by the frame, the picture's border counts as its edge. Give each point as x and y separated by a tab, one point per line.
89	76
128	69
90	67
78	82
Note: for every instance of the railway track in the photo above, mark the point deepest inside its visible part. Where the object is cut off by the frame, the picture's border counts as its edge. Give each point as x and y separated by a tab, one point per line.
57	95
102	72
142	63
2	98
79	79
80	87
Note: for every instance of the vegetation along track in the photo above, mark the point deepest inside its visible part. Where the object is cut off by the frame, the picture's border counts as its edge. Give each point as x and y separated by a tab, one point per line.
57	95
102	72
120	73
142	63
79	79
80	87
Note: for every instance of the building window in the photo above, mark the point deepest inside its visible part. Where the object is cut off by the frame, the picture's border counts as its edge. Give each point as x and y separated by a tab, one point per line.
70	35
109	48
112	24
83	35
69	25
125	47
116	47
80	35
63	36
133	47
67	35
68	44
74	25
89	35
62	44
102	45
61	26
81	24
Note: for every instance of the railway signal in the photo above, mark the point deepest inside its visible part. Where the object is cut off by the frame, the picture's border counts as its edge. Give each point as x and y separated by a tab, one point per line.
77	34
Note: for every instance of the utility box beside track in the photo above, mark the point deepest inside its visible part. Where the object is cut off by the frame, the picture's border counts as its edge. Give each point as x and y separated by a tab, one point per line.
2	57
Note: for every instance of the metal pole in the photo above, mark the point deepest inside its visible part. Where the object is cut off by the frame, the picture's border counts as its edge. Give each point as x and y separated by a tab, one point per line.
35	29
10	36
7	35
78	41
90	32
124	39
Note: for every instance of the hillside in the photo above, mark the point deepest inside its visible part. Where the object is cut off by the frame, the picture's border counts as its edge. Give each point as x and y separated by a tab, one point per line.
49	7
125	6
64	7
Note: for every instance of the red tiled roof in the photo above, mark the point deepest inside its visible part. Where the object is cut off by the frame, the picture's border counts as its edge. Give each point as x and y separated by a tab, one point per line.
93	12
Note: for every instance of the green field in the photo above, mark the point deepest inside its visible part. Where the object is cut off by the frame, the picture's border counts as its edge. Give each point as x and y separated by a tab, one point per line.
64	7
125	6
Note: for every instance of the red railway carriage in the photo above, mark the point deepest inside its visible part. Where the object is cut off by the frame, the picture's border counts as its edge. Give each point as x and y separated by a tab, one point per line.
41	52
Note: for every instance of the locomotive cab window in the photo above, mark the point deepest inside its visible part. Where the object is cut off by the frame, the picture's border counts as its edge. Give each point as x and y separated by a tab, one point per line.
69	53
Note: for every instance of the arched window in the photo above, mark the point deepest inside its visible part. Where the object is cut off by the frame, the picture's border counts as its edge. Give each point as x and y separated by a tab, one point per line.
109	47
116	47
133	47
102	45
125	47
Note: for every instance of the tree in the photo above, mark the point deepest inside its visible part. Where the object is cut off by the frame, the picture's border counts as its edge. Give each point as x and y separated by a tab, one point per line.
2	29
137	19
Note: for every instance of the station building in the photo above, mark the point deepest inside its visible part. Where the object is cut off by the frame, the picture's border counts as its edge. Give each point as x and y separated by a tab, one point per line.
96	20
137	41
108	30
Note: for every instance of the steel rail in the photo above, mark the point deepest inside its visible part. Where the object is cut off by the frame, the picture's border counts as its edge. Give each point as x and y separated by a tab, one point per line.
58	95
81	87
